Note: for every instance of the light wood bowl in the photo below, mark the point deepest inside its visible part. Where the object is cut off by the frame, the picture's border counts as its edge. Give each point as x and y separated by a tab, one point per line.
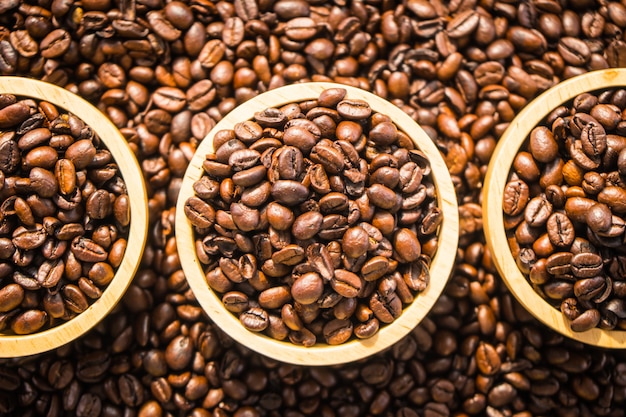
495	181
23	345
321	354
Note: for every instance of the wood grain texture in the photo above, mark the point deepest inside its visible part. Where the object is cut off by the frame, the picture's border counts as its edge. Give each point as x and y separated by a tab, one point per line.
321	354
495	181
23	345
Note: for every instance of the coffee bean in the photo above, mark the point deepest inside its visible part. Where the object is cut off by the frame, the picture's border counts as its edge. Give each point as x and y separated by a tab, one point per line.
354	109
537	211
308	288
406	245
346	283
289	192
254	319
337	331
306	225
30	321
355	242
11	296
542	145
516	196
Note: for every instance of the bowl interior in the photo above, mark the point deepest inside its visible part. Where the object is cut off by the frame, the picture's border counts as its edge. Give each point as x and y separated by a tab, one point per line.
495	181
23	345
321	354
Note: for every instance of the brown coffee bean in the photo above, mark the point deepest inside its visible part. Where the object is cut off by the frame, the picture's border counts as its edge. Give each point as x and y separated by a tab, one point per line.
487	359
346	283
337	331
354	109
355	242
289	192
516	196
386	308
74	299
308	288
289	255
329	157
542	144
307	225
406	245
275	297
11	157
382	196
560	230
303	137
28	322
612	196
11	296
586	320
199	212
55	44
235	301
255	319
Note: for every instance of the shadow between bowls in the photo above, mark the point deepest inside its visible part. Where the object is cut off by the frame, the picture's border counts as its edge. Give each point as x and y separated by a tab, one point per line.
493	218
24	345
321	354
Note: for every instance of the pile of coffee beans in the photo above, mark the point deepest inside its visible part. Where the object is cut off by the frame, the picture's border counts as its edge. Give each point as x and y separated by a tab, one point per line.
564	205
316	221
462	68
64	213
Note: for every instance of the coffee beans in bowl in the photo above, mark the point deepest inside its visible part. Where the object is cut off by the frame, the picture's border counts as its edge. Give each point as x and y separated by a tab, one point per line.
555	205
73	220
317	224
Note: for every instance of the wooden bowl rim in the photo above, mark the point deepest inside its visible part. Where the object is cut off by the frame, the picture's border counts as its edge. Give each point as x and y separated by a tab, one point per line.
321	354
495	181
24	345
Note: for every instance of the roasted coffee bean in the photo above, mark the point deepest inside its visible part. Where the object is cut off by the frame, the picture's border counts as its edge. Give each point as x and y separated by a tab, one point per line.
29	321
542	144
337	331
516	196
274	297
307	225
289	192
406	245
560	230
386	308
254	319
586	320
537	211
354	109
308	288
200	213
11	296
355	242
346	283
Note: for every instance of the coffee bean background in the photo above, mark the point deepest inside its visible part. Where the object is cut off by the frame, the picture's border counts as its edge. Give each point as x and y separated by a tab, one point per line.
165	72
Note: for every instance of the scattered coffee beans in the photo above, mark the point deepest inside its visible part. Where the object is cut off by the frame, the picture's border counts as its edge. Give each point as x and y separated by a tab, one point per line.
462	68
312	211
565	206
64	215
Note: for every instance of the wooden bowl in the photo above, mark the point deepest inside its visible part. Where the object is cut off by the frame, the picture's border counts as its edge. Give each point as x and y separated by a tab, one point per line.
495	181
22	345
321	354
